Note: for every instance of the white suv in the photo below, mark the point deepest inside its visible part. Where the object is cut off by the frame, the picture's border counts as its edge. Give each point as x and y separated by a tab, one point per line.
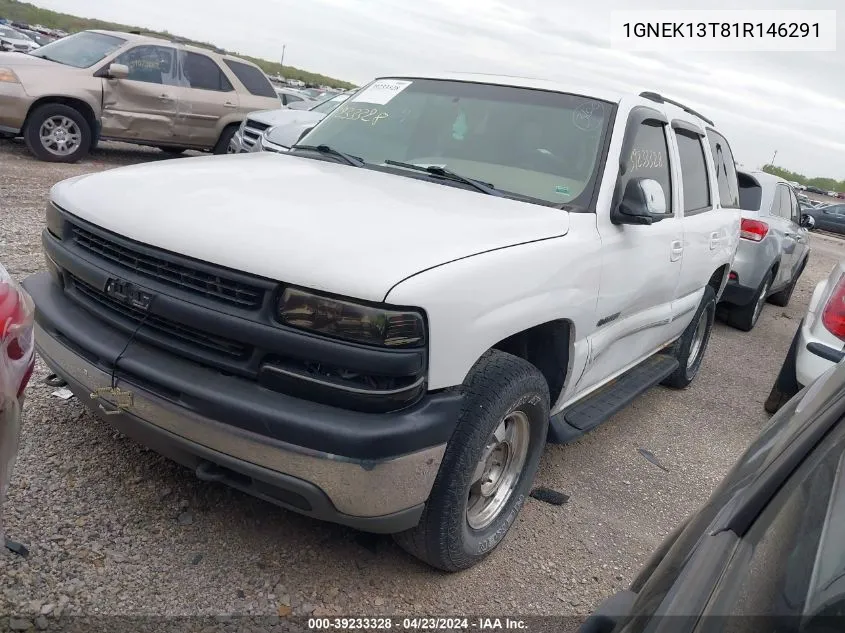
463	268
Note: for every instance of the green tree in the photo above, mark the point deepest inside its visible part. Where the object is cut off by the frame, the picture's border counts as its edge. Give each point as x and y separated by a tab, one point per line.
828	184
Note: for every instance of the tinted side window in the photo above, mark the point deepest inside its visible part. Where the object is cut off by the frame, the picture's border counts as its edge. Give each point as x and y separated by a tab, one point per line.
750	193
294	99
203	74
726	177
696	183
650	158
150	64
252	78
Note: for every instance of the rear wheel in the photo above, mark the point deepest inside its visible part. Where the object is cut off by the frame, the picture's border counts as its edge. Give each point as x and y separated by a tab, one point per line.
173	150
225	140
488	467
782	298
745	317
689	349
57	133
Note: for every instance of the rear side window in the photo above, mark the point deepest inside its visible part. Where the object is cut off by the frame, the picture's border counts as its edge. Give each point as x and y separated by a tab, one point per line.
726	178
750	193
782	205
650	158
252	78
203	74
696	184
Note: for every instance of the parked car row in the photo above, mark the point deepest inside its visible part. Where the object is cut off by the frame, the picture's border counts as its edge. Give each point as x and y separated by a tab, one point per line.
13	40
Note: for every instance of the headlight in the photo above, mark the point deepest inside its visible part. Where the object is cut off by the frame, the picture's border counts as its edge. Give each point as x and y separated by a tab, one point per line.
6	74
55	222
351	321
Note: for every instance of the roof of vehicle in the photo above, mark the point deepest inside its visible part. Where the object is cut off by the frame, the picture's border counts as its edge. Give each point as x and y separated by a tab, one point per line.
155	39
763	177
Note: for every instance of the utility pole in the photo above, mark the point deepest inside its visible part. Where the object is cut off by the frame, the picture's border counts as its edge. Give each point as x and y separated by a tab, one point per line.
773	158
284	46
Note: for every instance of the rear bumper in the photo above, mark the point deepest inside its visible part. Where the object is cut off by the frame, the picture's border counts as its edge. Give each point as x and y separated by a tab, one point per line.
809	363
751	263
172	411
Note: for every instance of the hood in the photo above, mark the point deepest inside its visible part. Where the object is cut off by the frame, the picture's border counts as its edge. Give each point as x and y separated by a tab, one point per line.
283	115
313	223
19	41
286	134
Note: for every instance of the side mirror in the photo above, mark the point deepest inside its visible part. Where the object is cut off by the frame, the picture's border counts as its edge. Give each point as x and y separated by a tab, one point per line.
642	203
118	71
807	221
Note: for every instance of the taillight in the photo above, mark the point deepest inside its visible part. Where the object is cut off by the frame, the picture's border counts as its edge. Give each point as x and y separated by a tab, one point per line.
11	309
833	316
753	230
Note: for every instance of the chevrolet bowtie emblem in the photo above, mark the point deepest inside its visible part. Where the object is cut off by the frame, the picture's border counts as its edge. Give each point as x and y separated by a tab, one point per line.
122	399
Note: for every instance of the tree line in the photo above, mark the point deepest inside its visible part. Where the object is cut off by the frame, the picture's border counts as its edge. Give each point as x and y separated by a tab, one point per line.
828	184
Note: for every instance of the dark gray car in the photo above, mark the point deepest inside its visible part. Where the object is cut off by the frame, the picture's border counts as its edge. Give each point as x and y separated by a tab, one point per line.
773	249
767	550
830	218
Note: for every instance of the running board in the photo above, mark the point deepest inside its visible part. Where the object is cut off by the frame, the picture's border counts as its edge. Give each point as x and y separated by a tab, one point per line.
587	414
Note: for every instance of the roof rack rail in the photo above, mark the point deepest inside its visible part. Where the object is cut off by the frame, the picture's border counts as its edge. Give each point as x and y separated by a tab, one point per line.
658	98
175	39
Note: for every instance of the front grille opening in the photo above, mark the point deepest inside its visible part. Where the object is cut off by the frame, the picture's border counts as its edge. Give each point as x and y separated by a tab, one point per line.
160	325
252	124
212	286
340	387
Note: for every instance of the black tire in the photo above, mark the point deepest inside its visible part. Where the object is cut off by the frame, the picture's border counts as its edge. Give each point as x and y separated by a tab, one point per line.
786	384
782	297
745	317
42	113
683	347
175	151
222	146
498	385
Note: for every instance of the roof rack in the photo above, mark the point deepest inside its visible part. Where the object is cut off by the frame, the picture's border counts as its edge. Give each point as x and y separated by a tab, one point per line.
658	98
178	40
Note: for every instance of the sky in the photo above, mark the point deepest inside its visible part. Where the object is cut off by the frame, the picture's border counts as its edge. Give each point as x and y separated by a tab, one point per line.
789	102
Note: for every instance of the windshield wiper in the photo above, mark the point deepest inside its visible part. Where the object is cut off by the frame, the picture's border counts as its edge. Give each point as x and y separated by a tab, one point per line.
437	170
331	151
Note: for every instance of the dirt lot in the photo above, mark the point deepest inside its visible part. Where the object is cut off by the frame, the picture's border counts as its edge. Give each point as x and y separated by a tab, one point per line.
115	529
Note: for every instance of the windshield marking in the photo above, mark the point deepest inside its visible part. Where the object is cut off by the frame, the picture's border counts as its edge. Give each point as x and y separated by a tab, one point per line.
361	114
381	92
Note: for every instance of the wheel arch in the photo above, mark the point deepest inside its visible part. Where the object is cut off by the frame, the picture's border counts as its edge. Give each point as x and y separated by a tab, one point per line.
549	347
82	106
719	279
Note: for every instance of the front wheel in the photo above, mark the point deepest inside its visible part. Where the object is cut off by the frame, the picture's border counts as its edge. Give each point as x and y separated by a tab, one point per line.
689	349
488	467
57	133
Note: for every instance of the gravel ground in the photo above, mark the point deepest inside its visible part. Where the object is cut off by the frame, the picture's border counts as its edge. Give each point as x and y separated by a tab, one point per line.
115	529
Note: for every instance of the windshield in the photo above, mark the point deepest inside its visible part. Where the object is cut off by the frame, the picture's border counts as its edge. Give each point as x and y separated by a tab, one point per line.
535	143
324	107
12	34
80	50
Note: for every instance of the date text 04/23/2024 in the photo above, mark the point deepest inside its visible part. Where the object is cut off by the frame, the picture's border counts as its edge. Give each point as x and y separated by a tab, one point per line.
417	624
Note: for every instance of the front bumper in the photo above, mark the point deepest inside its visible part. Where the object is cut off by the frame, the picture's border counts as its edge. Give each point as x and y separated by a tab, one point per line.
14	104
169	412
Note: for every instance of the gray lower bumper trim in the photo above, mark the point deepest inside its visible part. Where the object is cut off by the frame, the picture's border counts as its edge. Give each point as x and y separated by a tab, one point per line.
368	489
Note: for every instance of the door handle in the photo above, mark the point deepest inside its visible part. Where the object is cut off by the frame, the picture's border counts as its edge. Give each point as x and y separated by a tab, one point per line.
677	251
165	98
229	104
715	240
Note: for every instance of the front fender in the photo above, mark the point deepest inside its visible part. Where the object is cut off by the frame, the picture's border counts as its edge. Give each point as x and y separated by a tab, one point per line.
474	303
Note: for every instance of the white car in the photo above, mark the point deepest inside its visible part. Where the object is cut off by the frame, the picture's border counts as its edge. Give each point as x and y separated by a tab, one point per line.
291	123
818	343
12	40
462	268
